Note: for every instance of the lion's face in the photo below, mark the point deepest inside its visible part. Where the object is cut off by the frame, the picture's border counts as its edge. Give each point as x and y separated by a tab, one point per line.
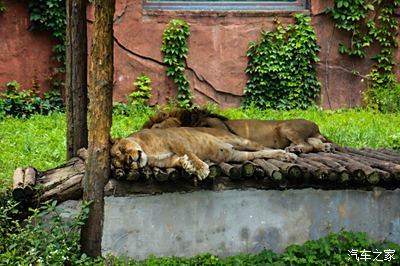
127	154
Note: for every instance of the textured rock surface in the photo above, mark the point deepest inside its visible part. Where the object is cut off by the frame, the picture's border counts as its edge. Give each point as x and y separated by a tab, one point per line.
217	52
24	56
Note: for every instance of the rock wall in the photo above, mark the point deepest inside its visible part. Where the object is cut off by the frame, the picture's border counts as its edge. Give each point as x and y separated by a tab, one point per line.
24	56
217	52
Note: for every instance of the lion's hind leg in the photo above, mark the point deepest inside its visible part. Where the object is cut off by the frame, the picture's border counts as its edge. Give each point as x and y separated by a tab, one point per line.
238	156
319	145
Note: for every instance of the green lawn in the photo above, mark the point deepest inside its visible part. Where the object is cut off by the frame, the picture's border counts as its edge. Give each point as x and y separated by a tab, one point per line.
40	140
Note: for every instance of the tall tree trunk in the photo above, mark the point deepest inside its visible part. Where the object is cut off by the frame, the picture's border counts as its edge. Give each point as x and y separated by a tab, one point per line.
100	114
76	77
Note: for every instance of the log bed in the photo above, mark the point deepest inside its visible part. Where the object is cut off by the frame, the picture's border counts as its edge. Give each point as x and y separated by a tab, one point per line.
350	168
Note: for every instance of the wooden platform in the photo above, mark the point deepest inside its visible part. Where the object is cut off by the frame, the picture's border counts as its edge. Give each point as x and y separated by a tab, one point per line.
351	168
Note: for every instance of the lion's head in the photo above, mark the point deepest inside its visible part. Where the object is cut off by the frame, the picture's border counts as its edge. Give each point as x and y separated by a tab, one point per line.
127	154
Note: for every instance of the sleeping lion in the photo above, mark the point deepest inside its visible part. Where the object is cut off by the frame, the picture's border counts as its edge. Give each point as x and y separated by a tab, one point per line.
297	135
187	148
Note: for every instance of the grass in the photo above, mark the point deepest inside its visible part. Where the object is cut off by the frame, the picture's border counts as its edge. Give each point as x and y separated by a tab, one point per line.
40	140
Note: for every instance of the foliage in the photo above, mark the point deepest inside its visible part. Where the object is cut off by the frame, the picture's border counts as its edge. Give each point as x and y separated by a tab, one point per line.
394	141
372	23
332	249
44	238
40	140
23	103
50	15
2	7
280	68
143	92
174	47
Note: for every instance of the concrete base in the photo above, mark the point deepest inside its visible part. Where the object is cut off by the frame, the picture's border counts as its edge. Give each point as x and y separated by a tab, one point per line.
233	221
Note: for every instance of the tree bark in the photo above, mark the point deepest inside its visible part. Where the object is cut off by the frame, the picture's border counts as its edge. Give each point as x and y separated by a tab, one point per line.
100	114
76	77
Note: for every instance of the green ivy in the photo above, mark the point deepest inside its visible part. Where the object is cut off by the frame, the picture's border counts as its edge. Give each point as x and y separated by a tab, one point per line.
372	23
2	7
50	15
280	68
174	47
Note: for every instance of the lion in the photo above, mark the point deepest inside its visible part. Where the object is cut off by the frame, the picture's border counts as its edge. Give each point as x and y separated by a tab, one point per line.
187	148
296	135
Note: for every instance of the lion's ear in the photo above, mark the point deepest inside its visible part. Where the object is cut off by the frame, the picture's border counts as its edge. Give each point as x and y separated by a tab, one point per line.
113	141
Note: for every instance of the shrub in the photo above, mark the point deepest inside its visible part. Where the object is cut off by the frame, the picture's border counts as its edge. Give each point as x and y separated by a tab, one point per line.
143	91
20	103
39	240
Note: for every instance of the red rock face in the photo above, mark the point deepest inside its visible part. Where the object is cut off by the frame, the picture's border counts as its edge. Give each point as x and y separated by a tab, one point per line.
24	56
216	59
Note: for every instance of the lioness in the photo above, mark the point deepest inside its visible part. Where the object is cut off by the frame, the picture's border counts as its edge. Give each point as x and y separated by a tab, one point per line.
187	148
298	135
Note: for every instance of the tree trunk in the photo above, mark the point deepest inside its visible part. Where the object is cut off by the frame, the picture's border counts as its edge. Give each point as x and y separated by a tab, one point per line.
100	111
76	77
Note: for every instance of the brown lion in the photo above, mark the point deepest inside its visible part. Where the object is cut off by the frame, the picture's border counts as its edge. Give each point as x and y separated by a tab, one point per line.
187	148
297	135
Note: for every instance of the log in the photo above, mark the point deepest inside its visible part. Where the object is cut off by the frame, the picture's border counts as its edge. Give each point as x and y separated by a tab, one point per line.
390	152
18	184
232	171
247	169
293	171
359	170
83	154
173	174
270	170
343	175
56	176
118	173
373	154
160	174
253	171
386	170
392	168
71	184
215	170
147	172
312	169
132	175
29	181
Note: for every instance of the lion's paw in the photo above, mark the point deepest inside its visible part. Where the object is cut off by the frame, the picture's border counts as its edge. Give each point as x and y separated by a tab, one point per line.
328	147
203	171
295	149
187	165
288	156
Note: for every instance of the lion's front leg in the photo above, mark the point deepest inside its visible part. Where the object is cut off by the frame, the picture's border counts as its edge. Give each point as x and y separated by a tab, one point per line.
189	162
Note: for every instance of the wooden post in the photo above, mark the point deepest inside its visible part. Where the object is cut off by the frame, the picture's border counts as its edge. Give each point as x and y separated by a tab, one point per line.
76	77
100	114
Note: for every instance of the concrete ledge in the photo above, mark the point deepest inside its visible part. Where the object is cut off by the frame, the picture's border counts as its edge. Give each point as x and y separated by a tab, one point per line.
236	221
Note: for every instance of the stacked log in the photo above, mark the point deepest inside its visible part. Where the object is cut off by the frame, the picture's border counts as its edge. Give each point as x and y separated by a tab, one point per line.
340	169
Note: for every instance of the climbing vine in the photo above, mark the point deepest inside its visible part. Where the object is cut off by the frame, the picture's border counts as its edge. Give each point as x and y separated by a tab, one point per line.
50	15
2	7
280	68
372	23
174	47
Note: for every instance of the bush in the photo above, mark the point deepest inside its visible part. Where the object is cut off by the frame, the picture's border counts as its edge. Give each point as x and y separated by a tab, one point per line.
388	99
38	241
20	103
